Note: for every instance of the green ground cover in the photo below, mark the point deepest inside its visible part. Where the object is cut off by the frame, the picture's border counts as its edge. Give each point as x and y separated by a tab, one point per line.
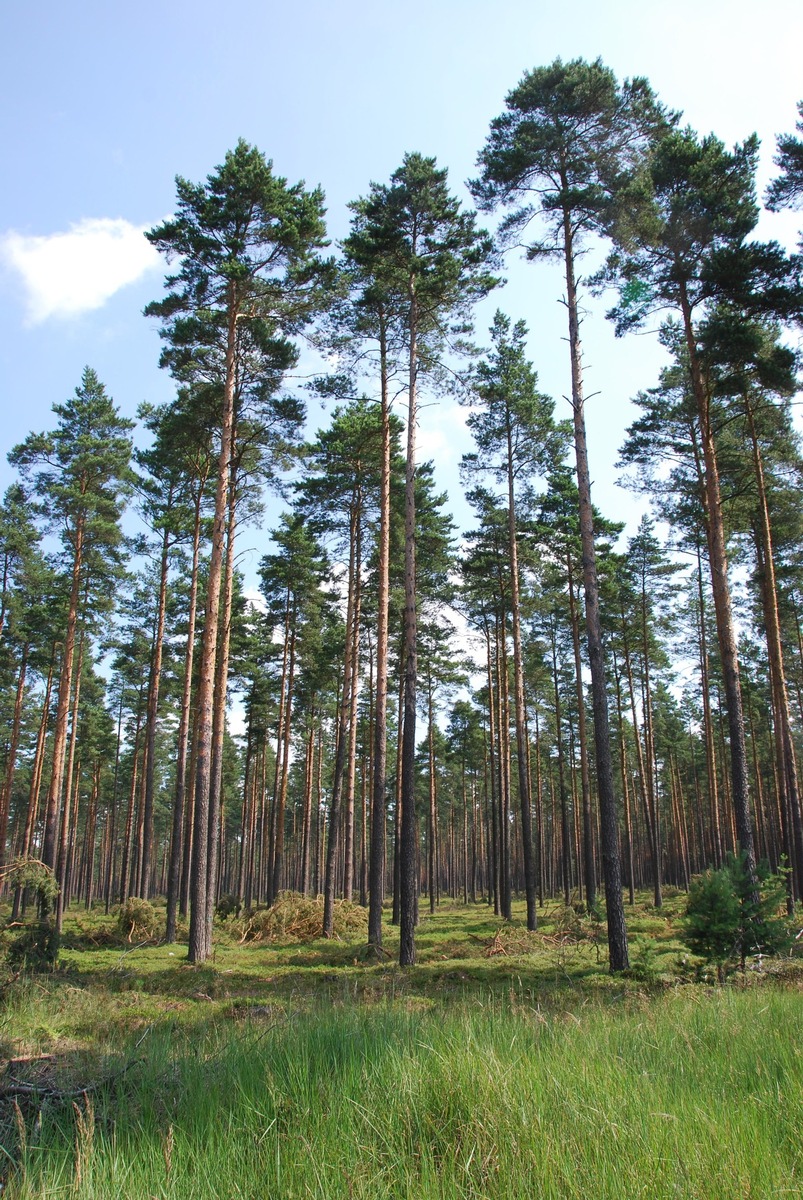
504	1064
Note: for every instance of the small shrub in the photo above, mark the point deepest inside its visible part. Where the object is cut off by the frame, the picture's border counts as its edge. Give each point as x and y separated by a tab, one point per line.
227	906
644	961
35	948
567	924
726	920
138	919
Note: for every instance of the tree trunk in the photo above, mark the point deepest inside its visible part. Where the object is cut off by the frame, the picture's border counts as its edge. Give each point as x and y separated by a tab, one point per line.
612	870
54	795
11	757
408	856
182	749
726	629
589	866
61	858
769	591
219	721
340	751
522	738
351	767
152	714
376	870
200	942
36	782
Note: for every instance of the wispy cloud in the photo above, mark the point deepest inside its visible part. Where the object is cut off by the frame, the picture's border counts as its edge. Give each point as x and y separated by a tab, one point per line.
69	273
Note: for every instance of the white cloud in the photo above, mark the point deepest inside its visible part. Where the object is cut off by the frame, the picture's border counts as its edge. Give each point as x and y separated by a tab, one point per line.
66	274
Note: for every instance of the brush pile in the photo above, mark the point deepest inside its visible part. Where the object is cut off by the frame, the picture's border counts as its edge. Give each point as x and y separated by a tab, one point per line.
295	918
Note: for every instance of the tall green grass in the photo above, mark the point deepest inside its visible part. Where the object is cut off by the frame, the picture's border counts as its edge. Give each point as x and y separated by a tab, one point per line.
694	1094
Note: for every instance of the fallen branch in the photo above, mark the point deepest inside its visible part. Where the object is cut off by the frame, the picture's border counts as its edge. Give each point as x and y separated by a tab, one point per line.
18	1087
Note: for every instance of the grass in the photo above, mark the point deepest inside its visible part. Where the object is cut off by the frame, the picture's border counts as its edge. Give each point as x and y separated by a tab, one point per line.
502	1065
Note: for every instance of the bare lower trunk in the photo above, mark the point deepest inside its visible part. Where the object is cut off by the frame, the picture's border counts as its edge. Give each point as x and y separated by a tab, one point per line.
376	869
64	833
200	943
726	630
55	791
408	856
351	766
522	738
11	758
335	810
219	722
589	866
789	778
183	749
612	871
151	718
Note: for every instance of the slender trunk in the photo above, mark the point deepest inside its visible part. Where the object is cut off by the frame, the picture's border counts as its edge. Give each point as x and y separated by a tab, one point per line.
277	766
612	871
589	866
395	912
408	858
306	828
284	773
111	818
249	804
219	718
132	797
55	791
644	785
503	759
625	788
717	852
726	629
200	943
518	693
433	800
11	757
376	870
36	782
61	859
564	806
183	748
333	844
152	714
351	767
789	778
494	890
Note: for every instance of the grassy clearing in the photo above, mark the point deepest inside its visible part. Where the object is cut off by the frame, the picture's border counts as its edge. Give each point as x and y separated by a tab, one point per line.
503	1065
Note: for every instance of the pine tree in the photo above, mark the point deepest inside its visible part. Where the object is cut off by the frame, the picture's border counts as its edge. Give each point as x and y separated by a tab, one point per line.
249	278
680	227
81	475
517	441
567	134
434	263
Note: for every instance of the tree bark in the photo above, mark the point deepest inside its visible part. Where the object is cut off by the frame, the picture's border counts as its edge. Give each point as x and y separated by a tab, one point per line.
522	738
200	947
152	714
726	629
612	871
408	856
376	870
769	590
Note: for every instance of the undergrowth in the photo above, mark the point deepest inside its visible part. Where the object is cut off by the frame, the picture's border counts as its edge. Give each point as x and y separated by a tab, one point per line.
504	1064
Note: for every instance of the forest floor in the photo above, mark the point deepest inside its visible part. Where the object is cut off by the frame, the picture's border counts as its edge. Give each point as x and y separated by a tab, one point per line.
503	1064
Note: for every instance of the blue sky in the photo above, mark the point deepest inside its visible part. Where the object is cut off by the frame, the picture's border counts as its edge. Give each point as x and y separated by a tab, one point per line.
103	104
